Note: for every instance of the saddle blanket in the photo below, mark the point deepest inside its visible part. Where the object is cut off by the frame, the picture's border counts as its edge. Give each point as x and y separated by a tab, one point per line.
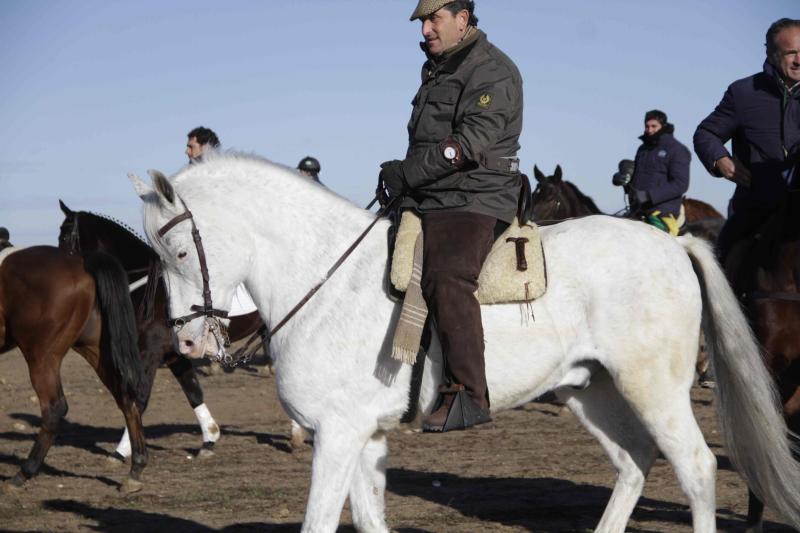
500	280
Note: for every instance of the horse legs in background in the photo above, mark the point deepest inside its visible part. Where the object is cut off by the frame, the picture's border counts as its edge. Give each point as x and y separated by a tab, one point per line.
46	381
185	374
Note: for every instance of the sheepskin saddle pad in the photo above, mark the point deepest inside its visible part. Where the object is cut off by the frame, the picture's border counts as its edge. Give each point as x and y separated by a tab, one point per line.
514	271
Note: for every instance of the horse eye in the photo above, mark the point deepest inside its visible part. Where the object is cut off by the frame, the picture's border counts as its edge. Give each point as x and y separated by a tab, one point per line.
181	255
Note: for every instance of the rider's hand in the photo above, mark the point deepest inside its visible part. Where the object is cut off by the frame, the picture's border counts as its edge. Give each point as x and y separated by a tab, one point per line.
393	178
734	171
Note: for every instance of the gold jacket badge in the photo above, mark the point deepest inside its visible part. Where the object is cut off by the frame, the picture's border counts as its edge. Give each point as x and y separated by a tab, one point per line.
484	100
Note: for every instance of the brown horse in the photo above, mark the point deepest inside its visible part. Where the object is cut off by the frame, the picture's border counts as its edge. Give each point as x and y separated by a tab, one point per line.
85	233
769	285
556	199
51	302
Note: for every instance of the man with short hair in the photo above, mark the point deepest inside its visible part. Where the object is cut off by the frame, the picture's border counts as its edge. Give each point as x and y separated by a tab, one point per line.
661	174
761	114
198	141
462	176
310	167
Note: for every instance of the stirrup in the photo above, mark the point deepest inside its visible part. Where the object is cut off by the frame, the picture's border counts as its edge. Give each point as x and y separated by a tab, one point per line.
463	412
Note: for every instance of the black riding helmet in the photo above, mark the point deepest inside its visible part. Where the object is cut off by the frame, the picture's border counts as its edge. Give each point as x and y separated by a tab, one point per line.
4	236
309	164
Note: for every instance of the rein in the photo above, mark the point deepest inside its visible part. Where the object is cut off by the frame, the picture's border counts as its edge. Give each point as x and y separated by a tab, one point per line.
213	315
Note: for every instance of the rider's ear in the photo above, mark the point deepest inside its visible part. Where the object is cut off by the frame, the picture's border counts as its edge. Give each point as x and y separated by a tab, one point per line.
538	174
557	174
64	209
163	186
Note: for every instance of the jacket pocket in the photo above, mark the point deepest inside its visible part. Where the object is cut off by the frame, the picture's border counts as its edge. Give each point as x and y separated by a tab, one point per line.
438	114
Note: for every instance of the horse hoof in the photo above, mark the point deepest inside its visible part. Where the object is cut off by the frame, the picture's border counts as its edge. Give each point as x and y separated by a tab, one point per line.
115	459
130	485
10	488
205	453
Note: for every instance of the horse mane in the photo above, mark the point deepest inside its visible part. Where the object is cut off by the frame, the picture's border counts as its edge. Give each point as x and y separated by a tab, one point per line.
118	226
585	200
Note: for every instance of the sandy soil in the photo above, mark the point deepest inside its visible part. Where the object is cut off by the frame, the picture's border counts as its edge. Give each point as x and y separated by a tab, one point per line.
531	469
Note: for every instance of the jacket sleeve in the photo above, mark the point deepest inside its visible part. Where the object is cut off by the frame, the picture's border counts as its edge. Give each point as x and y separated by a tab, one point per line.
482	125
713	132
677	178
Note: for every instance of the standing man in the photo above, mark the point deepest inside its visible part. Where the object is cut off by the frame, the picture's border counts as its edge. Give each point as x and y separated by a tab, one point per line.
198	141
761	113
461	174
660	175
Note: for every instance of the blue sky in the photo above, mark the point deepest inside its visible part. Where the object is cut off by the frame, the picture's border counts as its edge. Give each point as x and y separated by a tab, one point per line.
94	89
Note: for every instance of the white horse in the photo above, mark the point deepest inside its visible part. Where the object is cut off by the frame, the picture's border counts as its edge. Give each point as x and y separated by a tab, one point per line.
623	299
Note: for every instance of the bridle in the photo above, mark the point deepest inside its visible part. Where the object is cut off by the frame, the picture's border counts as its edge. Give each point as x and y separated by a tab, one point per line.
206	310
213	315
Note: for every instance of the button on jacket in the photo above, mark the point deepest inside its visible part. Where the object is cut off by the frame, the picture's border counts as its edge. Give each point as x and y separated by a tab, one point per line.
473	94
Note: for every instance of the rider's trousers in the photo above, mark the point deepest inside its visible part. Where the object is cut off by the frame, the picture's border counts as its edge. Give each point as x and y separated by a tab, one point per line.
455	247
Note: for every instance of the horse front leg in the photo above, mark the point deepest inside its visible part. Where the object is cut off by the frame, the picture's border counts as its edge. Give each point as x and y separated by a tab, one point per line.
186	376
369	485
336	454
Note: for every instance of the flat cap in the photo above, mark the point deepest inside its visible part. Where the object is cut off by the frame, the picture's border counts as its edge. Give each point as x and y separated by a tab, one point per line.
428	7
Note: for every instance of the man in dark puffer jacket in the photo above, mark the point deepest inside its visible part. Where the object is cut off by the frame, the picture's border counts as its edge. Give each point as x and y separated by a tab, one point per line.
661	174
761	114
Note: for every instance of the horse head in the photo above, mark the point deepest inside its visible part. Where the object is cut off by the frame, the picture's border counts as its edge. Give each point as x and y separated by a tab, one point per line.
68	237
199	262
548	197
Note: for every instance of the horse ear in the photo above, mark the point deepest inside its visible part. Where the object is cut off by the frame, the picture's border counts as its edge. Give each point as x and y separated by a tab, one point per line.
142	189
557	174
64	209
163	186
538	174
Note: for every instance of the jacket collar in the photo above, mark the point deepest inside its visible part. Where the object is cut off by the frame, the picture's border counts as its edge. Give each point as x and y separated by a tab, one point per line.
773	73
663	133
452	59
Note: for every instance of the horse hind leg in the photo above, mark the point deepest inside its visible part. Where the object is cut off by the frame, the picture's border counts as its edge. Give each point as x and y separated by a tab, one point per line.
368	487
664	407
607	416
46	381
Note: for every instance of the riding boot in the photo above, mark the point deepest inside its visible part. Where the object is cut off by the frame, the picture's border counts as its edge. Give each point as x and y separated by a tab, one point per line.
455	409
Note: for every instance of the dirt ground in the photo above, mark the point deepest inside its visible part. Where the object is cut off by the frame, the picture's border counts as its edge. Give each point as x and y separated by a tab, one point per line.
531	469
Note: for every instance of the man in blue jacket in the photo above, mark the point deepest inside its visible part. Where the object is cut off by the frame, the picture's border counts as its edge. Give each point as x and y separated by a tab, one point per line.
761	114
661	174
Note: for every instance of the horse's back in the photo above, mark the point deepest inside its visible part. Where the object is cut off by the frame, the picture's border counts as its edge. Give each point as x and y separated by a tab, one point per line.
43	288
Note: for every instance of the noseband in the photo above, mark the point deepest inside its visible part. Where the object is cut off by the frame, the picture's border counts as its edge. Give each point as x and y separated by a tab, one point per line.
207	309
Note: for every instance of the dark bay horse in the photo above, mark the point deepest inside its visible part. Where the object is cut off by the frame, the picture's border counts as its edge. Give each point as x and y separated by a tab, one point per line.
50	302
769	285
555	199
84	233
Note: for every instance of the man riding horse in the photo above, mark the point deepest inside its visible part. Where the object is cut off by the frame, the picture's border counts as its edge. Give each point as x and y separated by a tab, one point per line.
462	176
761	113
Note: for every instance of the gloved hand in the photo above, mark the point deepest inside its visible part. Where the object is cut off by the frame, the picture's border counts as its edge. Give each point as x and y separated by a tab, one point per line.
623	177
393	178
642	197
